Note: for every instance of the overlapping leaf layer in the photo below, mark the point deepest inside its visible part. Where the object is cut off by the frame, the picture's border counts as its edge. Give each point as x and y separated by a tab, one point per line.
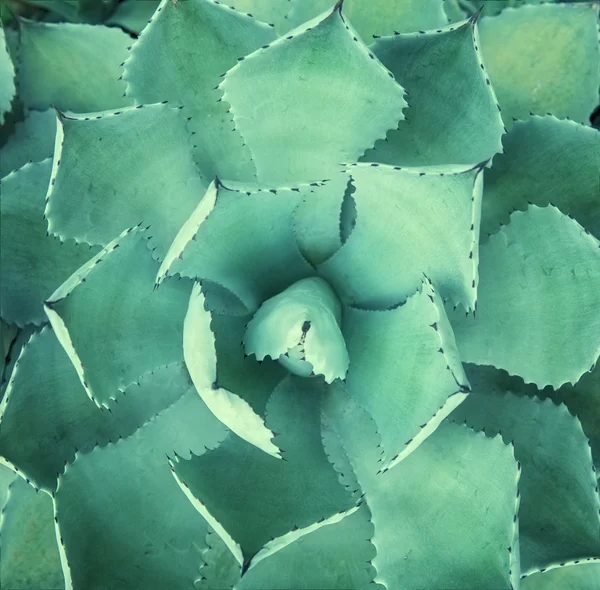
264	187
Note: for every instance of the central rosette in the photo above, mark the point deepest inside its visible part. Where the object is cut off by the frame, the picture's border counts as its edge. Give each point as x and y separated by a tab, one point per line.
301	328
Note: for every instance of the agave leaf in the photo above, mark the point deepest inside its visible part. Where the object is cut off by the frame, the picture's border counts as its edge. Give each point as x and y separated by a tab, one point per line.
577	575
7	476
242	240
303	559
32	141
152	178
581	399
454	498
221	569
409	222
135	327
180	56
455	11
558	515
7	76
30	557
46	407
127	487
133	15
542	265
377	17
240	410
311	100
404	369
274	12
73	67
545	160
544	58
32	264
317	219
454	115
255	496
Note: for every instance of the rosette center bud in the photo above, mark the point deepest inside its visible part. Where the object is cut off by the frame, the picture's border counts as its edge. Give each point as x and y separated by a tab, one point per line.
301	328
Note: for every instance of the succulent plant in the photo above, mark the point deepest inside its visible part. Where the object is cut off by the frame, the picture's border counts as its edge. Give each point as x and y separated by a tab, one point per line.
310	304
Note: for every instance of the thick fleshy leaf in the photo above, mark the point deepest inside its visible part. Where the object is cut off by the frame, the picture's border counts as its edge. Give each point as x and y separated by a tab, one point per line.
454	116
311	101
7	476
73	67
112	322
7	78
28	543
582	399
377	17
32	264
46	415
180	57
544	58
404	369
240	410
128	487
445	517
133	15
317	219
334	553
409	222
242	240
301	327
542	265
545	160
255	496
153	178
559	513
579	575
221	569
274	12
32	141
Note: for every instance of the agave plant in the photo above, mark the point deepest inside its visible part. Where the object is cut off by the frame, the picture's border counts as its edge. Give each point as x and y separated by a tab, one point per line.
310	304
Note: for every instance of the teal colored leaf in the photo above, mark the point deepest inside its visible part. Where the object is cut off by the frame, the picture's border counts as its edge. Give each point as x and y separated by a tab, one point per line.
7	476
558	515
32	264
334	553
243	240
404	369
311	101
72	67
133	15
7	77
545	160
220	569
254	496
409	222
454	115
455	11
46	407
301	328
180	57
580	575
240	410
377	17
274	12
112	322
317	219
444	517
153	178
581	399
13	350
544	58
127	487
542	266
30	557
32	141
